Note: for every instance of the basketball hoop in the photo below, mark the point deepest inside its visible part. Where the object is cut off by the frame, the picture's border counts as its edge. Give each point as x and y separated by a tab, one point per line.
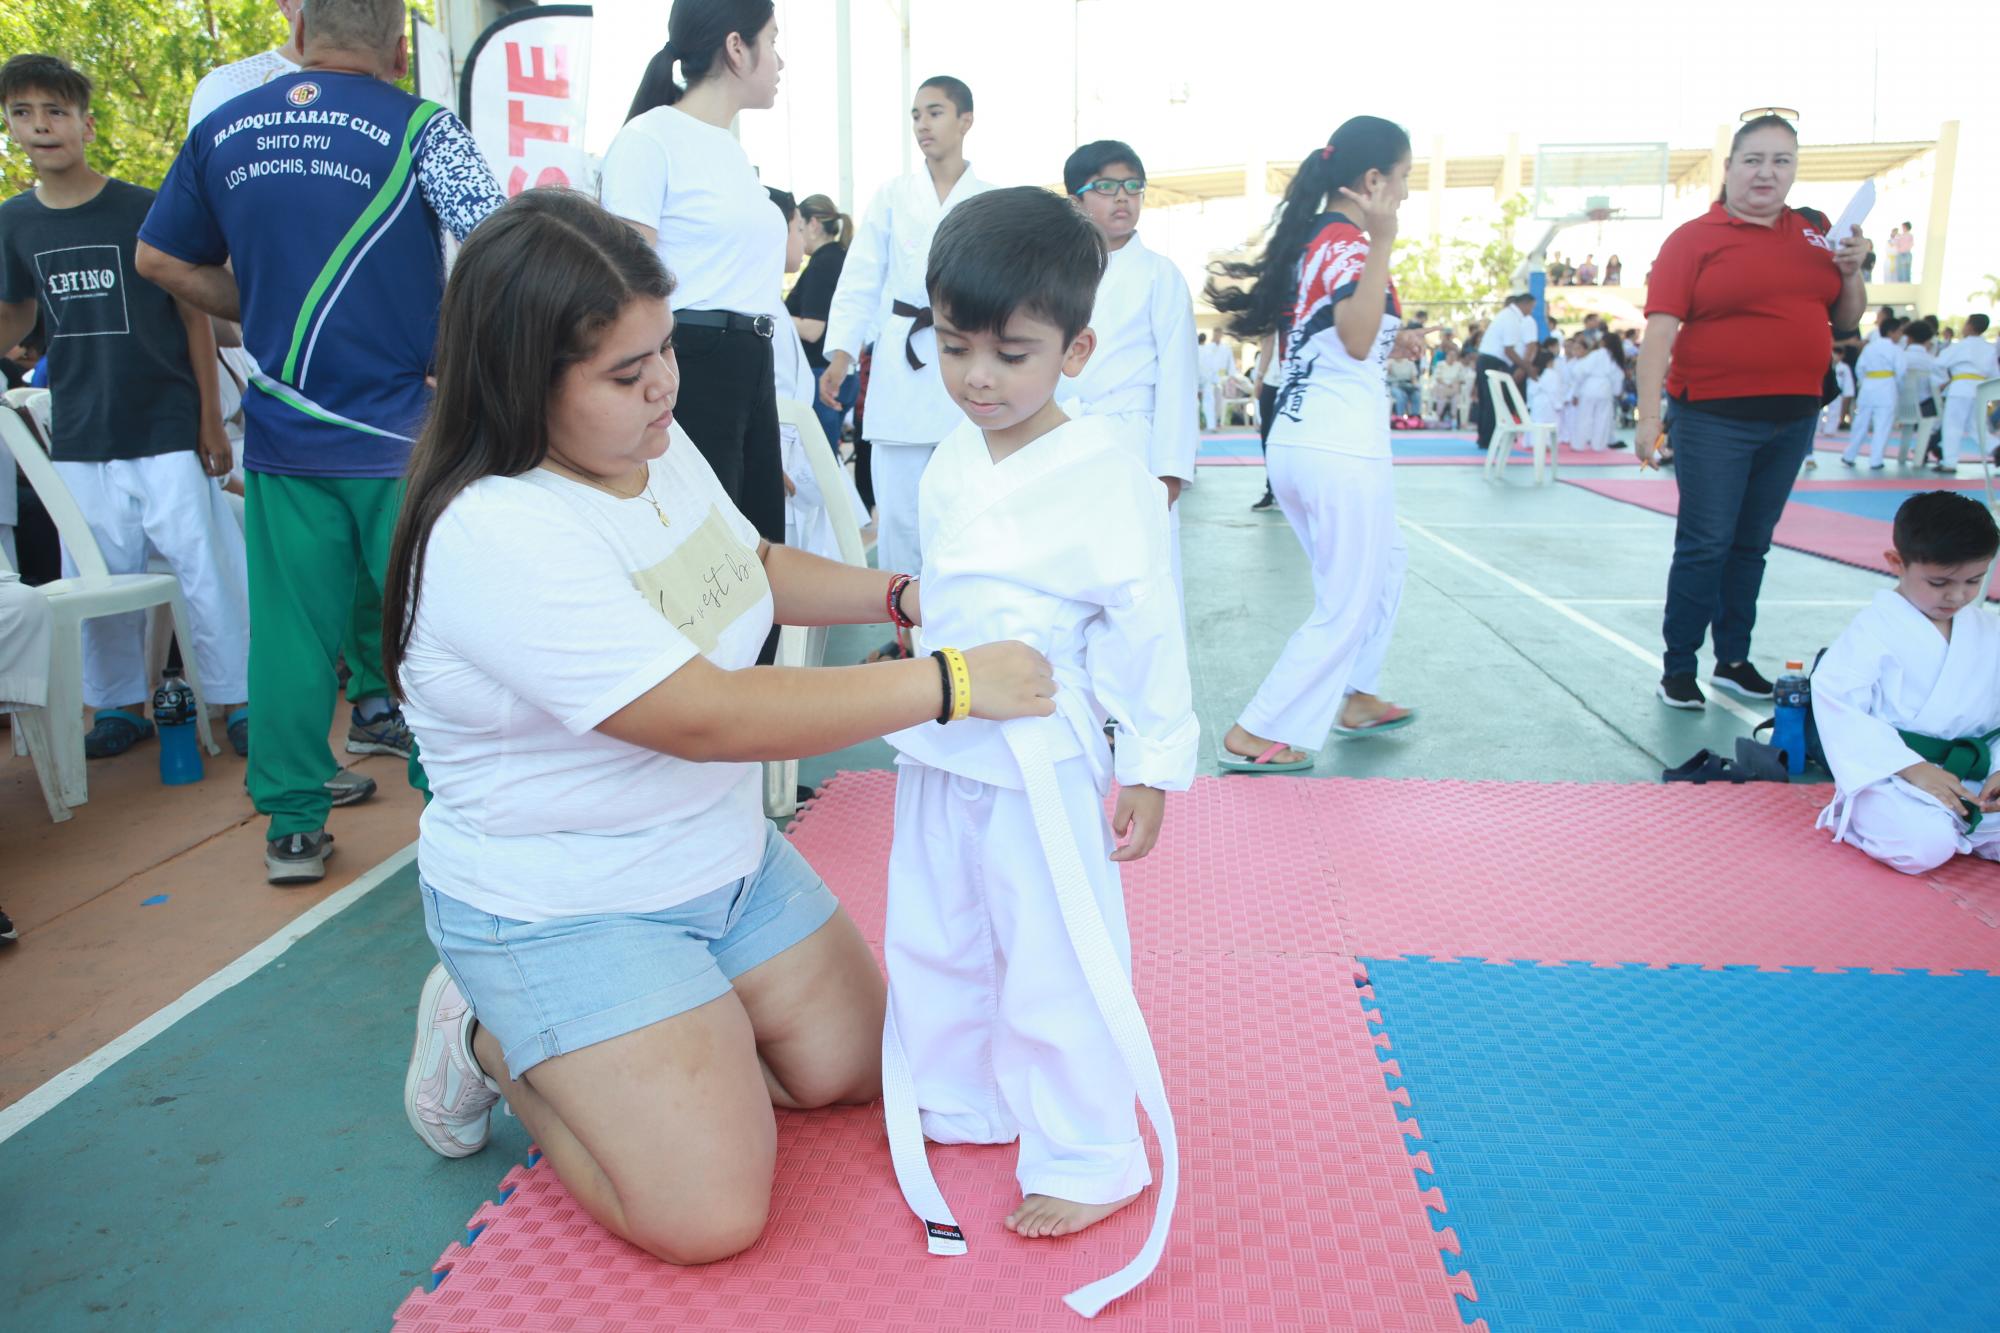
1598	214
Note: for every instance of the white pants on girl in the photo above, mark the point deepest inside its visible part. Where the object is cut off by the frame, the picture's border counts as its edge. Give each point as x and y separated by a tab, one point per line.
1593	422
164	504
1874	417
897	469
1003	1037
1343	509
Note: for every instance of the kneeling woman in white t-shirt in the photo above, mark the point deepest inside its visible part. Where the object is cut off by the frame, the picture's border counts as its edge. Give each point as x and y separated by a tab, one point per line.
1323	282
632	956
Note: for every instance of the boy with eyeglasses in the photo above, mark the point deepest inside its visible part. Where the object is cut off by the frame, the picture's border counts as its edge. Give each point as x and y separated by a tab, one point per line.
1143	374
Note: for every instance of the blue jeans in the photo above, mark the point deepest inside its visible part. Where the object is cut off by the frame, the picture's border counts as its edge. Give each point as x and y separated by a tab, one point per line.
1735	477
829	419
1408	399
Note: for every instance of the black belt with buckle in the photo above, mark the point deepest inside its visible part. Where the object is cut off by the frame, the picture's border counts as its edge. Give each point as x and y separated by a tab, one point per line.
761	325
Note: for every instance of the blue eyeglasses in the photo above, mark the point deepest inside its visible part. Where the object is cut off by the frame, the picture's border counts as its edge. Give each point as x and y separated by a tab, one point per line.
1132	187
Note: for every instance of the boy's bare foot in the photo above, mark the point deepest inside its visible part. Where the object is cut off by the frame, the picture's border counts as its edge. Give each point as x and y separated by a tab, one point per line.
1043	1215
1245	746
1363	710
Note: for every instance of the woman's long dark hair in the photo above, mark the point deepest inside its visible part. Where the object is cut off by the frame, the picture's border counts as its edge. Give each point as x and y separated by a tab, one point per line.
535	286
1360	145
696	33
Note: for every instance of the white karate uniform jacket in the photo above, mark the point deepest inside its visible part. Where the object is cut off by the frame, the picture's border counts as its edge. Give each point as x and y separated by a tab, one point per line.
886	264
1965	363
1891	670
1063	546
1144	368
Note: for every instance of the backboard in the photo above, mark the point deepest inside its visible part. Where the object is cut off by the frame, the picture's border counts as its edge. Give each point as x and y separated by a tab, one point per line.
1629	180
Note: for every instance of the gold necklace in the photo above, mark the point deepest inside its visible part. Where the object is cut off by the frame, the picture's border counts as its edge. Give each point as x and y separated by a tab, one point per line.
644	492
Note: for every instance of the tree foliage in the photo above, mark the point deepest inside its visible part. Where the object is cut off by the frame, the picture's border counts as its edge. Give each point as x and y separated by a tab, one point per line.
144	58
1448	269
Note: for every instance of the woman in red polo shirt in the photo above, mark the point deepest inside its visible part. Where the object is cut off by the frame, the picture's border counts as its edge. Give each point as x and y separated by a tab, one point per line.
1741	307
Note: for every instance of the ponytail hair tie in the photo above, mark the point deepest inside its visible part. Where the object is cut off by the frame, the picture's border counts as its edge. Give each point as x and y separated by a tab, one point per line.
1326	153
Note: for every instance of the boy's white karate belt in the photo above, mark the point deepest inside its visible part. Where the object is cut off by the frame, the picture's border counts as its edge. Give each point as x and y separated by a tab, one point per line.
1112	990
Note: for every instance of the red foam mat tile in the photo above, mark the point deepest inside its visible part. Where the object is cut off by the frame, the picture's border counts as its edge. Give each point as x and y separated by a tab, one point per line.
1713	875
1236	869
1299	1207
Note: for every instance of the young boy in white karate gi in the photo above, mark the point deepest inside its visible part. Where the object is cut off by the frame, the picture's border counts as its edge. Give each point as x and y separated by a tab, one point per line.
1969	360
1144	370
1875	398
881	296
1011	1015
1907	699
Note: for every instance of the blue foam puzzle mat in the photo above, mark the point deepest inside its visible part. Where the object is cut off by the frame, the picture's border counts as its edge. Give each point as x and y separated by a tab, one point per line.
1639	1148
1862	504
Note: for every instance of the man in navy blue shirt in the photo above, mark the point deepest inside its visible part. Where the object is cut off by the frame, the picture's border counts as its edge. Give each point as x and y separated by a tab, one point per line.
311	210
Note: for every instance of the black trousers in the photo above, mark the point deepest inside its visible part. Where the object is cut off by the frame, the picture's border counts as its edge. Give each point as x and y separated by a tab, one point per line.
728	405
1267	405
1483	411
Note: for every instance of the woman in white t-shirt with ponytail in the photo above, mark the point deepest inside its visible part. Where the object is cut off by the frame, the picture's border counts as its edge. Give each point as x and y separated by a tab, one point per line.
1323	281
631	954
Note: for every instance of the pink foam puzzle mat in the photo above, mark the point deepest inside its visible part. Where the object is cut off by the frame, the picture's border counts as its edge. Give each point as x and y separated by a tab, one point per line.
1307	1202
1299	1207
1847	521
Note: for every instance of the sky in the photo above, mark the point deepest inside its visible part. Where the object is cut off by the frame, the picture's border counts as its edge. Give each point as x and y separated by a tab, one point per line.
1194	85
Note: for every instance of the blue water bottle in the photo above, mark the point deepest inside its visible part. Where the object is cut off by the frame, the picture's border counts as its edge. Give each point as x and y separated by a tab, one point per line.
173	714
1793	695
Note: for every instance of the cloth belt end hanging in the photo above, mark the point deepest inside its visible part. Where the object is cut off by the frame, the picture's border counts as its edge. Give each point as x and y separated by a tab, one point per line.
922	318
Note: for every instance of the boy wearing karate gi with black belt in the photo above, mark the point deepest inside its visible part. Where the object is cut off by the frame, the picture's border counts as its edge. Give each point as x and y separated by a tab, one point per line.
1011	1014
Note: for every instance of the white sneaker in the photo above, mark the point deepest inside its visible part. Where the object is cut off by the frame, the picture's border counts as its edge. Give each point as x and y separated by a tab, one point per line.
448	1100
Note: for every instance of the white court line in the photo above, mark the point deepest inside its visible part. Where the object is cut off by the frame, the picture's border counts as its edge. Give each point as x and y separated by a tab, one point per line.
1610	636
1848	604
78	1076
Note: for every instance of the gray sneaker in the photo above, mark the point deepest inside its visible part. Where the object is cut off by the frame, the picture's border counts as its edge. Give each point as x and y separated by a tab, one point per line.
298	858
349	787
387	734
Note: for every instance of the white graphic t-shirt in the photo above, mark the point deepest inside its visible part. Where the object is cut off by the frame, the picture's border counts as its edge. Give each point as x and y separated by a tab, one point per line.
545	607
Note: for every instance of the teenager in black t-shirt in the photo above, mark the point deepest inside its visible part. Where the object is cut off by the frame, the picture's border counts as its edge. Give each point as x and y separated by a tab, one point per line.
137	434
828	234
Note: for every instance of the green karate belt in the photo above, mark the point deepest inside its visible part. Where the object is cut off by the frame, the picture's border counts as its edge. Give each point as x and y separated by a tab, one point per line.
1969	759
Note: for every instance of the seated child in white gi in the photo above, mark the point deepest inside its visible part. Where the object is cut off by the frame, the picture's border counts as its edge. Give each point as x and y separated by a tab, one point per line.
1010	1012
1908	697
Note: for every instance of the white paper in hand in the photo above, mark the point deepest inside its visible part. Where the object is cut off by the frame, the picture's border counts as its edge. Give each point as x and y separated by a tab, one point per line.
1856	213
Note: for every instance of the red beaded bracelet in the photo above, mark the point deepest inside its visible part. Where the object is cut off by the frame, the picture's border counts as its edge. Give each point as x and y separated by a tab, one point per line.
894	601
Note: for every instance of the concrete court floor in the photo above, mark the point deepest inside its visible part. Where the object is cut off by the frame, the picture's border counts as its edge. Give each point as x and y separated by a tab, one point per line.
250	1167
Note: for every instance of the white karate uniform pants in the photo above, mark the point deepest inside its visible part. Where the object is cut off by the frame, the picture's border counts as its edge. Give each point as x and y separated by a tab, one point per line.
1211	407
1566	425
1003	1037
1874	417
898	469
1343	509
164	503
1908	831
1593	423
1964	435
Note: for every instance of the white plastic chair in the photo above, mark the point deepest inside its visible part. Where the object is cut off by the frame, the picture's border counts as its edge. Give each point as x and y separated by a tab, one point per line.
33	737
800	645
95	591
1511	423
1983	399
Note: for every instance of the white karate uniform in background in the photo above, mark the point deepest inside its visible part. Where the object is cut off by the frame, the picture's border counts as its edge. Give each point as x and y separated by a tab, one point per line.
995	1031
1330	468
1562	396
1212	360
1142	374
1544	393
1876	372
1891	670
26	635
907	411
1595	387
1965	363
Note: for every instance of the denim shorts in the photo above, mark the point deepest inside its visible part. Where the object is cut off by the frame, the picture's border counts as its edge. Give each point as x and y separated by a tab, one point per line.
546	988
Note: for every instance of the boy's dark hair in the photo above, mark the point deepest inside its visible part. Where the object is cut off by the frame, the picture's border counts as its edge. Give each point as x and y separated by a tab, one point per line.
1921	331
44	74
1893	325
1978	324
1945	528
1544	358
955	90
1024	249
1093	158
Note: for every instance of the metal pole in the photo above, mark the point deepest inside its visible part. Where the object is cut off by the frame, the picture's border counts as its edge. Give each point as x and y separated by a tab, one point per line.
843	46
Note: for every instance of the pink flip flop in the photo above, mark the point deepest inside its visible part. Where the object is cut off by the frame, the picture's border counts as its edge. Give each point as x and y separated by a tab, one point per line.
1394	720
1263	763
